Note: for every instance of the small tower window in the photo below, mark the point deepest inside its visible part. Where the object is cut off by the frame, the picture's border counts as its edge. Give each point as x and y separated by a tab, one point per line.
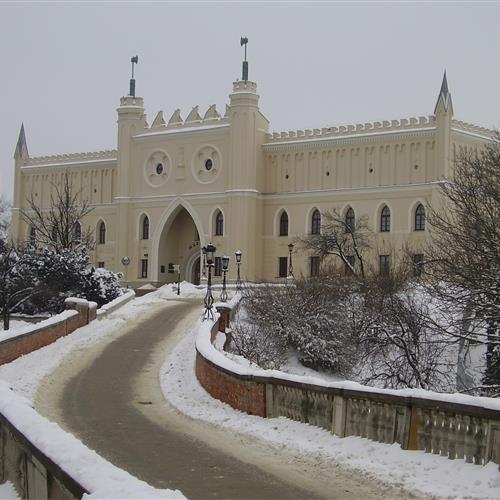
159	168
350	220
209	164
102	233
145	228
219	224
32	236
420	218
385	219
284	224
316	222
77	232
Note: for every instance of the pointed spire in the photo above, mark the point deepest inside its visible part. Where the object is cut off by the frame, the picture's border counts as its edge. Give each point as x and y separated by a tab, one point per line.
444	98
21	146
159	121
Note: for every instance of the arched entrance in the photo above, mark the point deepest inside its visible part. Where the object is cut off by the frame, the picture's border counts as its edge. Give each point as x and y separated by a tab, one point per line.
179	243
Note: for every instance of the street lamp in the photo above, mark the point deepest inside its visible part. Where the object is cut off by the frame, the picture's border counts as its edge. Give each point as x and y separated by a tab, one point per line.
177	269
126	262
290	266
209	300
225	267
238	262
204	267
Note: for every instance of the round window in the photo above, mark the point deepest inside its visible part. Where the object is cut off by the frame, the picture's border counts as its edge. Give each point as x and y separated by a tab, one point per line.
208	164
159	168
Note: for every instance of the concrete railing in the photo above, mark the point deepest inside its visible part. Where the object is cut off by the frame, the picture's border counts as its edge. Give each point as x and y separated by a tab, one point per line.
34	475
451	425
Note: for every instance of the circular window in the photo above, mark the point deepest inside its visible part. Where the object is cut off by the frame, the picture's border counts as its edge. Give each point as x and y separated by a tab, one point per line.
206	164
209	164
159	168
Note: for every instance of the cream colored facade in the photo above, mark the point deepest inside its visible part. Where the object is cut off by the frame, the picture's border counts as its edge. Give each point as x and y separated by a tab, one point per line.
181	173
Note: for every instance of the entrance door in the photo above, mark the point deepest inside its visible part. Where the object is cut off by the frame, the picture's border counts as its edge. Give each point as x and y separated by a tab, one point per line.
195	278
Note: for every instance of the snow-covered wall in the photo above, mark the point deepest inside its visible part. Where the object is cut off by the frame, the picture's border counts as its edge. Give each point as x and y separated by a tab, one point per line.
79	312
452	425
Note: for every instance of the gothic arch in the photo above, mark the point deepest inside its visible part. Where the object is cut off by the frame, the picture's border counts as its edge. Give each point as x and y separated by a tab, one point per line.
165	221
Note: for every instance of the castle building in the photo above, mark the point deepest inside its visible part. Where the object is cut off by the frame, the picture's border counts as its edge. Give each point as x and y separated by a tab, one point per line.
174	186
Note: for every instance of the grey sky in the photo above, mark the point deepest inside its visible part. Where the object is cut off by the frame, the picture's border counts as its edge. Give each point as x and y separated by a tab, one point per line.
65	66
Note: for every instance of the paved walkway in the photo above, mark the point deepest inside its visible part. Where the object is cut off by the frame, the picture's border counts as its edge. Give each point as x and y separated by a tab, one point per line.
101	408
109	396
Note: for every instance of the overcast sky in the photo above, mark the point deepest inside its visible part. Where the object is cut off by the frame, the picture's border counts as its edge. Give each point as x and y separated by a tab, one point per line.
65	66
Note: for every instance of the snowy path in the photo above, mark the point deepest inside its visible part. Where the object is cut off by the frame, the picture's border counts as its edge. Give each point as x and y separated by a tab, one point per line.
113	402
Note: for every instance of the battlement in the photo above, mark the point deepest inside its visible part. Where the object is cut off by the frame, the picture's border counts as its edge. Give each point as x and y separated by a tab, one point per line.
110	154
473	129
404	124
193	119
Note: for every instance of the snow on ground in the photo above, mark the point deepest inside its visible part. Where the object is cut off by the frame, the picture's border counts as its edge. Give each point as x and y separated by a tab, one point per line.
418	472
20	379
14	325
8	492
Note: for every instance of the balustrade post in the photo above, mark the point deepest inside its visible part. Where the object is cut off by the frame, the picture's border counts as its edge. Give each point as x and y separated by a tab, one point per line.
452	437
460	436
479	438
445	432
469	444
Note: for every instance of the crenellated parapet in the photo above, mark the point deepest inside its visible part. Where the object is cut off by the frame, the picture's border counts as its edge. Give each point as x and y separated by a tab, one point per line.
110	154
401	125
193	119
473	129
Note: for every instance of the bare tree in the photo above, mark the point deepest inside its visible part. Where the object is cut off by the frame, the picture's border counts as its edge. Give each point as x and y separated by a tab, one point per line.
60	226
4	218
466	249
349	240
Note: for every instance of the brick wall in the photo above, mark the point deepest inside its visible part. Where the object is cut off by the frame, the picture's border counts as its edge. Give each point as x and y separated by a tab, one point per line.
13	348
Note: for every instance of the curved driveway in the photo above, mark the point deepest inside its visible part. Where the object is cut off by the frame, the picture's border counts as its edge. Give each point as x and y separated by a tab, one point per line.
101	407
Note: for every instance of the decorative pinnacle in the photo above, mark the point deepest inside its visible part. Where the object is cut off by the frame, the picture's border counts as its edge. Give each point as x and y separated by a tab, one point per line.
244	76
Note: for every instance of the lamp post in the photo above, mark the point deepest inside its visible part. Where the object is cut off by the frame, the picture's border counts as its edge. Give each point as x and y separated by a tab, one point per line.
177	269
209	300
204	267
238	262
225	267
126	262
290	266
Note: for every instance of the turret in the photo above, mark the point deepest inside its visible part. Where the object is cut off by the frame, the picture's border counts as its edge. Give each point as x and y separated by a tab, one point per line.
443	112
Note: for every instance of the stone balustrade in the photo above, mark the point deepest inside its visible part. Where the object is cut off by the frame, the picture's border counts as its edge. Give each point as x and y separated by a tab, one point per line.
453	426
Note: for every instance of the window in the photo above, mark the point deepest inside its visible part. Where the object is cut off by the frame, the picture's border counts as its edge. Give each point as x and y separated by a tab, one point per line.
32	236
145	228
218	266
384	264
284	224
385	219
162	269
314	264
53	236
420	218
144	268
102	233
349	265
77	232
316	222
100	264
282	267
418	264
350	220
219	224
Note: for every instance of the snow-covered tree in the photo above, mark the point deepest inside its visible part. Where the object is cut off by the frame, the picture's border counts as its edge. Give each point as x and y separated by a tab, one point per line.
465	250
61	225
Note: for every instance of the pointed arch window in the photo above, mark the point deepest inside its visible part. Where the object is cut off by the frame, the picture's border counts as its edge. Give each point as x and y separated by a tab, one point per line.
420	218
145	228
316	222
284	224
32	235
385	219
77	232
350	220
219	224
102	233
